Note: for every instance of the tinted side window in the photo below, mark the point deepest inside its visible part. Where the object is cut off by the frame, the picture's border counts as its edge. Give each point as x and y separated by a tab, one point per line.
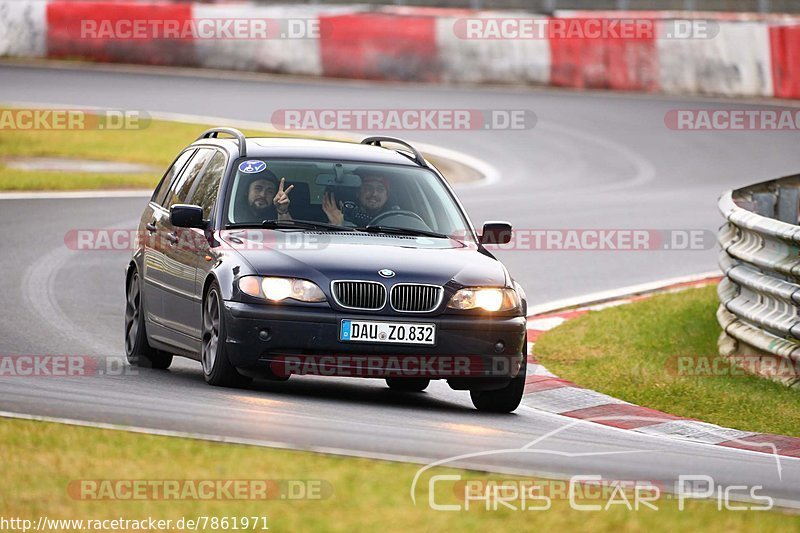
161	191
205	194
180	190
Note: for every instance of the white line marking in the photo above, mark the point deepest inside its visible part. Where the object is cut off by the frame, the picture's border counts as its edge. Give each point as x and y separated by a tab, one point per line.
631	290
545	324
215	438
53	195
39	293
645	170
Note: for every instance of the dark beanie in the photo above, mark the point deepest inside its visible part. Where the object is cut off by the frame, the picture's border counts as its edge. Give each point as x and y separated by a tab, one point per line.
248	179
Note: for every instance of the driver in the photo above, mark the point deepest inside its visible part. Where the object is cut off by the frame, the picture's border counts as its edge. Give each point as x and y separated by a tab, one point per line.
372	198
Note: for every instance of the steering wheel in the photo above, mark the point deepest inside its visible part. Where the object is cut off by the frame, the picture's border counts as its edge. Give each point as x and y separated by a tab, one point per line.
397	212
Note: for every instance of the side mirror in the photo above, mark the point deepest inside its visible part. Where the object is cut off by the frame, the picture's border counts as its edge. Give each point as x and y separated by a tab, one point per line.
496	233
186	216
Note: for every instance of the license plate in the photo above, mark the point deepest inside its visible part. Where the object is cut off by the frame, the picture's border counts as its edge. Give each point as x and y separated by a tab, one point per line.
388	332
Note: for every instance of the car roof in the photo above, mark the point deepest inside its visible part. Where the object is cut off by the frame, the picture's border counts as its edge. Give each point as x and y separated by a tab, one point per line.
292	147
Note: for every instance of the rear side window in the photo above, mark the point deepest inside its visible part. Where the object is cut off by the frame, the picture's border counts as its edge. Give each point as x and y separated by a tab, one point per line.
161	191
205	194
180	190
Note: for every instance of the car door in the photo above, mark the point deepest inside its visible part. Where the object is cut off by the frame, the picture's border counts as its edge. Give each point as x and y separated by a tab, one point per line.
180	256
204	194
152	249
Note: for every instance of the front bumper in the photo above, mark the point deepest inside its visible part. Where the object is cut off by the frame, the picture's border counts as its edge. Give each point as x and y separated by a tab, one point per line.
303	340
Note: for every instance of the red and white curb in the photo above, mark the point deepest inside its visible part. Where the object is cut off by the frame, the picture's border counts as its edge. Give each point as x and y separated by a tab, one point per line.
547	392
424	44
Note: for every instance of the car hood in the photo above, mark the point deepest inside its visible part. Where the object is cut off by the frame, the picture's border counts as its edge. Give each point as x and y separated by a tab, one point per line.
322	257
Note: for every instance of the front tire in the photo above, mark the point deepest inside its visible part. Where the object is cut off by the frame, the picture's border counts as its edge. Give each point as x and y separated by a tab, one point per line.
138	351
217	368
503	400
408	384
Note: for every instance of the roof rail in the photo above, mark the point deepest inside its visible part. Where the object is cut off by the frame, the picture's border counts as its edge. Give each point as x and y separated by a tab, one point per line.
376	141
213	133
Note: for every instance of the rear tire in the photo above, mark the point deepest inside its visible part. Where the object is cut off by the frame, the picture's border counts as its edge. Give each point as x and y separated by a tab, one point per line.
138	351
503	400
217	368
408	384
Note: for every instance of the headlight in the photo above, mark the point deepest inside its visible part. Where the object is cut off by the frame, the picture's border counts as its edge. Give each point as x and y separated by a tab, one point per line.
489	299
278	289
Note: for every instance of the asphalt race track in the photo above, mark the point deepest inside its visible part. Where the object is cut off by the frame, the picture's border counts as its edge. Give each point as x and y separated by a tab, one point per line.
593	161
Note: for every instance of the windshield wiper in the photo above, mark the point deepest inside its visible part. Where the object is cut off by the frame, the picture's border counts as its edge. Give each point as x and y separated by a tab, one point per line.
403	231
303	224
289	224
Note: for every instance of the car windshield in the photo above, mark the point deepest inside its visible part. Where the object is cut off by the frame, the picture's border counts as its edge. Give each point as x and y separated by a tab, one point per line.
369	197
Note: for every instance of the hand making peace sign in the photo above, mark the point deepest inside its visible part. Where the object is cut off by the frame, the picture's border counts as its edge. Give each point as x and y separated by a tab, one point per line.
281	200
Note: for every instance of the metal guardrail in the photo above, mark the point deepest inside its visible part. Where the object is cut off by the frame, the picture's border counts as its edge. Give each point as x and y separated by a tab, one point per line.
760	294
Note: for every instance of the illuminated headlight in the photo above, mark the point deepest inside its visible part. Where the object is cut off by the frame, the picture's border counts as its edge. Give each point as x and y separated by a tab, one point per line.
489	299
278	289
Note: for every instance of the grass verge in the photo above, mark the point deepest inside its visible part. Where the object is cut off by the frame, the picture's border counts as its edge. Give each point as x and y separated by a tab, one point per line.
631	352
157	145
42	460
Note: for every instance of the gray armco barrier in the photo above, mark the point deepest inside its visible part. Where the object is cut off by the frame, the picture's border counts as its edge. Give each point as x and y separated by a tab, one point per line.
760	294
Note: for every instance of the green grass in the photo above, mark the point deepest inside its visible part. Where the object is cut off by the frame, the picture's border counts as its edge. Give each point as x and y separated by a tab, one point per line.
630	353
19	180
157	144
41	459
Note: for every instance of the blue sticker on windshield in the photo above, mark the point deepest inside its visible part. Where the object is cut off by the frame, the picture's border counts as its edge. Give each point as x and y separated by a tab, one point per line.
252	167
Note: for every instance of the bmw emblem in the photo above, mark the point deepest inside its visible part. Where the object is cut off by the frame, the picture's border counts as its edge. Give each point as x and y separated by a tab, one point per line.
386	273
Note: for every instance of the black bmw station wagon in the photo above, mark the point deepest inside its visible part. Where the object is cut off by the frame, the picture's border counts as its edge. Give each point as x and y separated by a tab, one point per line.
267	257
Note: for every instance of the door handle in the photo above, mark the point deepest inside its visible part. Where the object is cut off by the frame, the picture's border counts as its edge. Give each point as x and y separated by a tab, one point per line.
172	237
151	226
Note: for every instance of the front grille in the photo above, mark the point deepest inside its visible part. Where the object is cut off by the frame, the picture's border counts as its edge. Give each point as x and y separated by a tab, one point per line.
368	295
413	298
